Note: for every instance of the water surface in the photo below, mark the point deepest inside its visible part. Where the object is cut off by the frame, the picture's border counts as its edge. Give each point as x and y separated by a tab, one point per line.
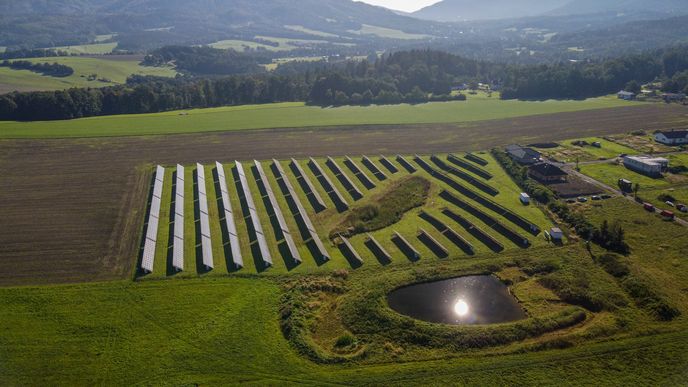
458	301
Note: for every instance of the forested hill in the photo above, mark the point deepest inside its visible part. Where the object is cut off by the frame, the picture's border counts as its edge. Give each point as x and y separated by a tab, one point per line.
40	23
411	76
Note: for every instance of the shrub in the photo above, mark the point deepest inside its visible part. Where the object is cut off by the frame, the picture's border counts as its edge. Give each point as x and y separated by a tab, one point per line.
612	264
648	299
345	340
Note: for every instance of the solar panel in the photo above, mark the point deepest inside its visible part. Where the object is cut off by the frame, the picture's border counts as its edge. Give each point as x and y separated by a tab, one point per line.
381	250
406	245
278	213
206	242
253	214
301	211
404	163
335	195
229	217
374	169
352	251
344	179
388	164
358	172
302	175
178	242
147	260
434	241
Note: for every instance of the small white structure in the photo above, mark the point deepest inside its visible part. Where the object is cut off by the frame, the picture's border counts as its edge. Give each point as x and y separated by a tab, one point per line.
651	166
556	234
626	95
674	137
525	198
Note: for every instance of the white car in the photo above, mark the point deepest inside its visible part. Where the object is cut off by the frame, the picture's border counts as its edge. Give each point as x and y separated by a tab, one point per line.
670	204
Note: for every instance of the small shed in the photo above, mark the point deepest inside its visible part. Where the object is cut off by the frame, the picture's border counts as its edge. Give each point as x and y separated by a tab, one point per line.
524	198
556	234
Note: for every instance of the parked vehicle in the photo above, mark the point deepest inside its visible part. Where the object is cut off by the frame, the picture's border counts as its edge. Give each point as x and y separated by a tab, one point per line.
596	198
649	207
606	196
667	215
582	199
525	198
570	201
682	207
670	204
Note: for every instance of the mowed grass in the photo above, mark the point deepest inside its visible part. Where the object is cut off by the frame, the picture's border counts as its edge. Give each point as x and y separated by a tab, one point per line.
389	33
567	152
226	331
108	71
326	221
92	49
295	114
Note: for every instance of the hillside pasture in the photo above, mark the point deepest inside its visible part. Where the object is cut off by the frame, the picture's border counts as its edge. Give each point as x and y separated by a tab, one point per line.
108	71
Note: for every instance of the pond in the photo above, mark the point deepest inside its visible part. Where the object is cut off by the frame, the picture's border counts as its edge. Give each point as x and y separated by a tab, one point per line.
458	301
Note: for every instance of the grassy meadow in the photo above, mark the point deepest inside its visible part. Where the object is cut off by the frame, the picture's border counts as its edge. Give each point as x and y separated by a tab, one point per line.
227	327
108	70
293	114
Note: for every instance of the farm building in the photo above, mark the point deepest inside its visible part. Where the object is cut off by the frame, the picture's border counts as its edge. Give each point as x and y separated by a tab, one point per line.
524	198
651	166
521	155
556	234
626	95
547	173
673	97
674	137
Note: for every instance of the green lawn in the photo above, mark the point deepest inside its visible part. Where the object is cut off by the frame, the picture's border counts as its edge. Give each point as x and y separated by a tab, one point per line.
390	33
285	115
92	49
567	152
110	71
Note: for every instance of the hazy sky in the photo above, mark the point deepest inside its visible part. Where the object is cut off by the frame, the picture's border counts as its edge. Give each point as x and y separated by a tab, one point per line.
402	5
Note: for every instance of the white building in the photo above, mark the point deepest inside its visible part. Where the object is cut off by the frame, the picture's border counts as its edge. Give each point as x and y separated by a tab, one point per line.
651	166
674	137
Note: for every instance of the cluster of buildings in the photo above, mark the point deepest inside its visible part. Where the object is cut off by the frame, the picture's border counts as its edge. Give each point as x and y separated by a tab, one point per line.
537	168
666	97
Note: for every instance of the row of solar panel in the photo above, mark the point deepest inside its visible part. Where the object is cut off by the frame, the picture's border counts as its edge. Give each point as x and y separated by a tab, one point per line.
286	235
206	242
253	215
148	257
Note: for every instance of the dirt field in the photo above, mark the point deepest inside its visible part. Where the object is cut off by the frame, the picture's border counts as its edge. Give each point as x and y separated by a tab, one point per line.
71	209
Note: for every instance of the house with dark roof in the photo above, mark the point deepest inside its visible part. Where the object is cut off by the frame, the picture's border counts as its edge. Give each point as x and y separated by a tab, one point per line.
524	156
674	137
547	173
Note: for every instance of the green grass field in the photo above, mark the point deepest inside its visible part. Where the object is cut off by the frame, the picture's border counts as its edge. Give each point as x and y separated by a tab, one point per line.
567	152
285	115
389	33
111	71
222	328
91	49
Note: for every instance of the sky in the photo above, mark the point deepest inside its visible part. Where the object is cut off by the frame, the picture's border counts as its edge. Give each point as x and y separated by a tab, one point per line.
402	5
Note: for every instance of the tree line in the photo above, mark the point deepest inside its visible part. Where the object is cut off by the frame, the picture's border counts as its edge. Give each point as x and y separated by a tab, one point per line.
410	76
49	69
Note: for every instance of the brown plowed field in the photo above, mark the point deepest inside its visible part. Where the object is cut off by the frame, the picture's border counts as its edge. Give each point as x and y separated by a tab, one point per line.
71	210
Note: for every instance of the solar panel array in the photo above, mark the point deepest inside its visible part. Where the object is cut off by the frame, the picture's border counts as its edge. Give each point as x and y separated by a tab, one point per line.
301	211
278	213
206	242
358	172
329	187
306	180
178	242
374	169
153	220
406	245
344	179
253	214
380	250
229	217
443	251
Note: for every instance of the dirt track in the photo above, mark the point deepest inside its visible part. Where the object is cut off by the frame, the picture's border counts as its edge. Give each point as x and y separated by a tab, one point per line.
71	209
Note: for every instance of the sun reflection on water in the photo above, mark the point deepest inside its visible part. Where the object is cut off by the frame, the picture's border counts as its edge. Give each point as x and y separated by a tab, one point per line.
461	308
